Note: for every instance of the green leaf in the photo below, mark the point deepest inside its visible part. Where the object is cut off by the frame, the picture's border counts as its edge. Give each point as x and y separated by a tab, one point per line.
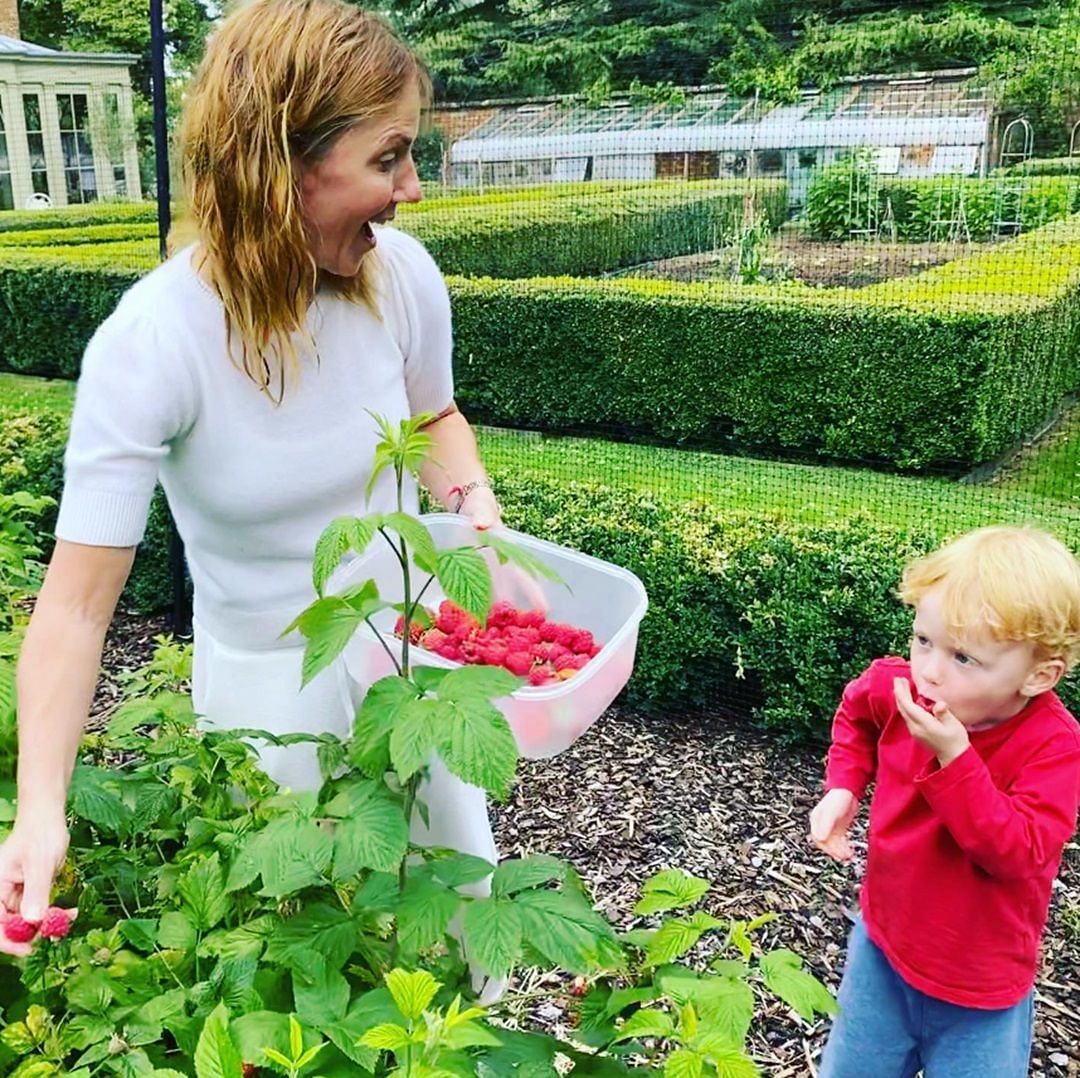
470	1035
371	1009
477	744
784	975
414	736
646	1023
424	914
477	684
506	550
728	1060
466	579
338	537
670	890
140	932
563	928
93	797
428	678
258	1030
374	836
328	625
386	1038
203	889
411	992
417	538
676	936
684	1064
376	719
320	991
527	872
176	931
725	1005
460	869
216	1055
290	854
493	934
327	930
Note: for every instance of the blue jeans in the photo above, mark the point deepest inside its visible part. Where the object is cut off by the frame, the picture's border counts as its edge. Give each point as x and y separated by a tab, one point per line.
887	1029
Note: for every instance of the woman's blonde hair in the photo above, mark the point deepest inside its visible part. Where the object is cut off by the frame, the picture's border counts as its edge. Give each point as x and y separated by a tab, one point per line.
281	81
1013	584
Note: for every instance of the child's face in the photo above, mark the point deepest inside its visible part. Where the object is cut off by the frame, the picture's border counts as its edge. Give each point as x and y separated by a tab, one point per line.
980	679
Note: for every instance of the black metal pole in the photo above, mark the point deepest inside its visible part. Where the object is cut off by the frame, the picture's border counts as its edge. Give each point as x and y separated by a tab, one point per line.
181	612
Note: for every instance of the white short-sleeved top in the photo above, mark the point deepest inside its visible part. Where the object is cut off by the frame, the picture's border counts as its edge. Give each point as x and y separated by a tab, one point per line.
251	484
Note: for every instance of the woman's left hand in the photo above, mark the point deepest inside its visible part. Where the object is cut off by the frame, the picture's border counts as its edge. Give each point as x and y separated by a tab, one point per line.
481	509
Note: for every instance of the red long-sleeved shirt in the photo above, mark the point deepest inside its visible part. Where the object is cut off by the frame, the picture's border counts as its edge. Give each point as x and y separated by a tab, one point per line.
962	858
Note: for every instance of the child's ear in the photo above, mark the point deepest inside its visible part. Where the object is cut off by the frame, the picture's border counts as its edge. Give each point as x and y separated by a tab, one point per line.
1044	675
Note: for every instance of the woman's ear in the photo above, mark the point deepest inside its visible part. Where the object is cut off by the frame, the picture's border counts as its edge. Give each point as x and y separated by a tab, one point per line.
1044	675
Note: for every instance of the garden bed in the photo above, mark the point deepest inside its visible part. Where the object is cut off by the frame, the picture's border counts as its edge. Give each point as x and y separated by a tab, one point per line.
643	792
792	255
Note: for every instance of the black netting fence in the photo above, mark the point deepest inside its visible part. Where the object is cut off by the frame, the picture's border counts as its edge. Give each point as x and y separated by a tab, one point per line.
757	310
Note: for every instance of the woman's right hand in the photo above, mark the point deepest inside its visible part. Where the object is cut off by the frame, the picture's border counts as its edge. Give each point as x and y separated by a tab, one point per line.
29	861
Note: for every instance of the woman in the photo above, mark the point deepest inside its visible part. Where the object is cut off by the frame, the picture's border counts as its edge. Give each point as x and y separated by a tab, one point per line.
242	373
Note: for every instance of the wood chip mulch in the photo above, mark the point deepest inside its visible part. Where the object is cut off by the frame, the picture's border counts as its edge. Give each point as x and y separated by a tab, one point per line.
716	797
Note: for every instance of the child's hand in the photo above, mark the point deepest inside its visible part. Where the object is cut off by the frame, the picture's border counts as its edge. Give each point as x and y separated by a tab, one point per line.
940	731
830	821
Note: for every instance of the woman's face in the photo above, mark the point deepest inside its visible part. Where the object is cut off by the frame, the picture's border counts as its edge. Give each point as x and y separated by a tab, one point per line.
367	172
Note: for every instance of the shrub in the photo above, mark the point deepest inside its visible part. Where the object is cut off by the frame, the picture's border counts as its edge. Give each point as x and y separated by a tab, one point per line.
32	459
919	205
940	372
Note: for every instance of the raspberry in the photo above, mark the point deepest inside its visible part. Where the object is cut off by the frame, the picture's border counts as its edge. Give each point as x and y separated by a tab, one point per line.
449	650
571	662
19	930
531	619
56	923
518	662
416	630
493	654
566	636
502	613
540	675
583	641
548	630
434	639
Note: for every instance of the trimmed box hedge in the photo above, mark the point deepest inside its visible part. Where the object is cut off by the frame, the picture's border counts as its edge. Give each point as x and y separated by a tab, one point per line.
940	372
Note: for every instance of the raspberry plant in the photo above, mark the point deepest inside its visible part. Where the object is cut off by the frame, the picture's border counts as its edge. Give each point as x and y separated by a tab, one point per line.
228	928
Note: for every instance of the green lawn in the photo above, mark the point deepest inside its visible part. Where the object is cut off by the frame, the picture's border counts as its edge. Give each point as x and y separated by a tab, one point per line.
1052	467
20	391
808	493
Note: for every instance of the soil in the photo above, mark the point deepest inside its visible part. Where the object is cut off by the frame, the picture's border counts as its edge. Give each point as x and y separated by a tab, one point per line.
791	255
639	793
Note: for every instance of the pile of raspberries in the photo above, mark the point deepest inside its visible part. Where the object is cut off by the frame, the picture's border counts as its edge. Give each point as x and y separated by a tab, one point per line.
522	641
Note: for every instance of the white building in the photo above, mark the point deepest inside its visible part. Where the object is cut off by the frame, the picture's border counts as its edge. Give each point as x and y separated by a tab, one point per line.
67	129
920	125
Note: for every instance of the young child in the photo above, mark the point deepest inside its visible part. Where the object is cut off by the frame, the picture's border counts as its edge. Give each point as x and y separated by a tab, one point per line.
977	770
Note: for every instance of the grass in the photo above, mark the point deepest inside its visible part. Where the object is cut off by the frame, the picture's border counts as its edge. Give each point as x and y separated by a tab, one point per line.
22	392
812	494
1051	467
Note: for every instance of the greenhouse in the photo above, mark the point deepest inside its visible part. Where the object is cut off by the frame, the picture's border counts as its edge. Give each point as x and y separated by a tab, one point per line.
919	125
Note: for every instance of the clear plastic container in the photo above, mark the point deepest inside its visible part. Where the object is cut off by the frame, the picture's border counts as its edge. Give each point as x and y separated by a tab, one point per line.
603	598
